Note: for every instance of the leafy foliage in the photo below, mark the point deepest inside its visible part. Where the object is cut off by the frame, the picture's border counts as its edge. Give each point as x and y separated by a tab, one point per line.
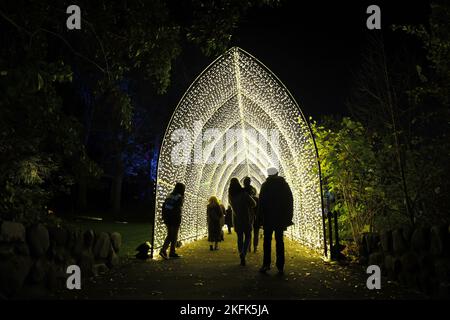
351	172
435	39
45	129
388	163
37	139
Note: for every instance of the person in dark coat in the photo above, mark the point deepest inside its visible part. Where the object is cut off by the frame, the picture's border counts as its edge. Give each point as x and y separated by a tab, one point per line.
242	205
251	191
171	213
275	209
229	218
222	219
248	187
214	219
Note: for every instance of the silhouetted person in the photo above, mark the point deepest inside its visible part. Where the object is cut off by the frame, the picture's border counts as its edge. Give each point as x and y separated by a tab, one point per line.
251	191
229	218
242	205
275	209
171	214
248	187
222	219
214	218
256	226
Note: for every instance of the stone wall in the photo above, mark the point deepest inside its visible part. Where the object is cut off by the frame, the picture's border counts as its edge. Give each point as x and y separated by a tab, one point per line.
418	258
34	259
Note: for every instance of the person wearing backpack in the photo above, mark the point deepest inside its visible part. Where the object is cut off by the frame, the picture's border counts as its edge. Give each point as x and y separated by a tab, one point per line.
171	214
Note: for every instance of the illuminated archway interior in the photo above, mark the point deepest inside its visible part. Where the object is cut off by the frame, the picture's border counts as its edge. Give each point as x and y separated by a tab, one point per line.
237	92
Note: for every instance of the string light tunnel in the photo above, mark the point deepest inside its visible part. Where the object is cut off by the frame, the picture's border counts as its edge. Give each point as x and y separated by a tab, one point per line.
237	119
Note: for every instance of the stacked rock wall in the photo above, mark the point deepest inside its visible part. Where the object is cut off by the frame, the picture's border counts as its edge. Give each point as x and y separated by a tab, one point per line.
34	259
418	258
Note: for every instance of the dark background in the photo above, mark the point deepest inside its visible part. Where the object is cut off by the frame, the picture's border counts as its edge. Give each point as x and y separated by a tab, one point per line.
313	47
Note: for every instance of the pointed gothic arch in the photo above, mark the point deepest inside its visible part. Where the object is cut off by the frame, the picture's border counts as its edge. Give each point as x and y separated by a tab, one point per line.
238	92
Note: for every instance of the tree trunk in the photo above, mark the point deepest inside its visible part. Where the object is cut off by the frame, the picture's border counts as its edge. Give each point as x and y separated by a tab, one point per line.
398	150
116	187
347	203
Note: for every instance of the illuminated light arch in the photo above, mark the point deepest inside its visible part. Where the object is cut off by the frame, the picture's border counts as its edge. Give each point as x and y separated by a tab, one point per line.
237	91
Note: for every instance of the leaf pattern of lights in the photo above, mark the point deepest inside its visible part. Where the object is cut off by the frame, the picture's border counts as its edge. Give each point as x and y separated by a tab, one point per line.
238	92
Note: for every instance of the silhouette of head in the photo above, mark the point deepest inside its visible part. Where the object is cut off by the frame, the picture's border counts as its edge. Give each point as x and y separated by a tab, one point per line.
247	182
235	187
179	188
272	171
213	200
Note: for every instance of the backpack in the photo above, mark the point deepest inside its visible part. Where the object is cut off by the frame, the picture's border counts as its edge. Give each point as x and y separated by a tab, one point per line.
168	208
143	251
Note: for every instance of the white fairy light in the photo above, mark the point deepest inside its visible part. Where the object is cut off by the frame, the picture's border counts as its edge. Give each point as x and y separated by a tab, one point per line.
237	92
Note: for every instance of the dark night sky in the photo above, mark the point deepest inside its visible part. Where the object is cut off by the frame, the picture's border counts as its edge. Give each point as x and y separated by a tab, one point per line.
315	48
312	48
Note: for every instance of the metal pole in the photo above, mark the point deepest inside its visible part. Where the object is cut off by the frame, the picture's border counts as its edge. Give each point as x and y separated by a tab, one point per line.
155	204
330	234
325	249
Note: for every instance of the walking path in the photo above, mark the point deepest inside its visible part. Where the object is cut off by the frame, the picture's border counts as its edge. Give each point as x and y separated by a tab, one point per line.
205	274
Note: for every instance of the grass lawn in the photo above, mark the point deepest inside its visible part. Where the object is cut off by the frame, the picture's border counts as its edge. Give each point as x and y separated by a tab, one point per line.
133	233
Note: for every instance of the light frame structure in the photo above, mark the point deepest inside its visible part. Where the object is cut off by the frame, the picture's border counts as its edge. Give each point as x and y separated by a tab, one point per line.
238	92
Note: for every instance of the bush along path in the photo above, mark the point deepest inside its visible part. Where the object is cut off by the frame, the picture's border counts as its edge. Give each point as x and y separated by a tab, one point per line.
204	274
